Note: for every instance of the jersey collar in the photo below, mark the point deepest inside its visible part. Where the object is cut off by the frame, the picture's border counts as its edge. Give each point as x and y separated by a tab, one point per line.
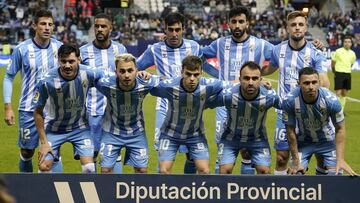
41	47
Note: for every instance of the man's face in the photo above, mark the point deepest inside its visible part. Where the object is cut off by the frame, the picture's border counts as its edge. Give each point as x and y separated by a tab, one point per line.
250	81
174	34
309	85
44	27
297	28
238	26
69	66
191	78
347	43
103	29
126	73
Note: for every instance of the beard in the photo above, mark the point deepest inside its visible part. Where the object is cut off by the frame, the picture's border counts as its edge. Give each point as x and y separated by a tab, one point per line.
297	38
101	37
237	33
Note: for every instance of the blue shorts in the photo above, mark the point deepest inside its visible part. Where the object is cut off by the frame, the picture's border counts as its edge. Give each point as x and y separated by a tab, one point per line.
95	123
80	139
326	151
161	108
221	115
28	136
137	152
198	147
280	138
229	150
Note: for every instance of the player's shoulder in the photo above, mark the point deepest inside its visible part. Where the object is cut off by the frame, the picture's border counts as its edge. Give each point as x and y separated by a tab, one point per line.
267	92
327	94
191	42
118	44
23	44
85	46
55	41
292	95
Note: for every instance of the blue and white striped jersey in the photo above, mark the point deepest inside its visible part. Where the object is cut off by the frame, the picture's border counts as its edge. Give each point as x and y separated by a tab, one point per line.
291	61
168	61
33	62
184	114
64	100
124	113
314	122
103	59
246	118
231	55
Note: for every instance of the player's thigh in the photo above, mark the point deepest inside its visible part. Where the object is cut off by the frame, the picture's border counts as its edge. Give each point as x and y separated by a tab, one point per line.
167	148
198	148
28	136
227	152
137	152
109	150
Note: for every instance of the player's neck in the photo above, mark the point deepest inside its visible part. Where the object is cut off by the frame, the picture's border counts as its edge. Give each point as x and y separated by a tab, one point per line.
41	41
297	44
102	45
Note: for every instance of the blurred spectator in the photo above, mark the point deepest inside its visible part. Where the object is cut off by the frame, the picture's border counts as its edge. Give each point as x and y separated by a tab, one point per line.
313	16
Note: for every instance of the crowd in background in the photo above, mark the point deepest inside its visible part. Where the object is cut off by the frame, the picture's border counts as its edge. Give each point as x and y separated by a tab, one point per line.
205	20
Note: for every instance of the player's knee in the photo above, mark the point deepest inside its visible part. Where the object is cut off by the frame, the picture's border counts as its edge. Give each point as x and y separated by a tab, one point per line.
203	170
282	158
263	170
225	170
164	170
106	170
140	170
88	168
27	153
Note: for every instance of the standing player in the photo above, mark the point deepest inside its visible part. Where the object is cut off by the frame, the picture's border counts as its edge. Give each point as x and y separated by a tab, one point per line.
314	110
100	54
187	97
232	52
32	58
123	122
290	57
63	92
341	64
167	57
246	104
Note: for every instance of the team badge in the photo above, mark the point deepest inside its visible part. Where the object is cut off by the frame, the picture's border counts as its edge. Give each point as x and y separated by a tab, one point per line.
262	108
36	97
84	84
323	111
252	46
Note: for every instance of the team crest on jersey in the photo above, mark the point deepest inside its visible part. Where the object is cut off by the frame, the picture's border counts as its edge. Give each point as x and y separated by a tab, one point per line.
54	54
141	95
202	97
307	58
323	111
252	46
36	97
262	108
84	84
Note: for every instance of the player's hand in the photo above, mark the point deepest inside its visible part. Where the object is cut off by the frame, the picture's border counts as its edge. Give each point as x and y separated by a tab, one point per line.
341	164
296	168
43	151
9	116
318	44
267	84
144	75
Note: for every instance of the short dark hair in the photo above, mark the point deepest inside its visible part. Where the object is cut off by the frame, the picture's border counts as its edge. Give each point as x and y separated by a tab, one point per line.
103	15
347	37
174	17
308	71
251	65
42	13
67	49
237	11
192	63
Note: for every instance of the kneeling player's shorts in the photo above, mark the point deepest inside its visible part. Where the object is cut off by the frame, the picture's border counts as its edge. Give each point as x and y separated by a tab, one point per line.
228	151
80	139
197	146
342	81
280	138
137	153
325	150
28	136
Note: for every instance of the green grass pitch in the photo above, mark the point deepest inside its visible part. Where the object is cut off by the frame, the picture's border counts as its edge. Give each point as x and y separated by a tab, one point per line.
9	152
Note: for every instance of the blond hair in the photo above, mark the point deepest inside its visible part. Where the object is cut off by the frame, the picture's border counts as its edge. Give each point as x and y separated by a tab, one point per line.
124	58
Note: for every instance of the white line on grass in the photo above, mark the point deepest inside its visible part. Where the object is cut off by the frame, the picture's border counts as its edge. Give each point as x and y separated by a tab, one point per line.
348	98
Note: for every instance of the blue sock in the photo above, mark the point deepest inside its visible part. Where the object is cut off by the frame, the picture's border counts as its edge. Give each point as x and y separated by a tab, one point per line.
57	166
25	165
217	167
118	168
246	167
189	167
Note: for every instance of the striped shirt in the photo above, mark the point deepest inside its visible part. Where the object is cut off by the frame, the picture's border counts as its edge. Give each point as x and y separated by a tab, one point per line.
33	62
124	113
231	55
246	118
64	100
184	115
103	59
314	121
291	61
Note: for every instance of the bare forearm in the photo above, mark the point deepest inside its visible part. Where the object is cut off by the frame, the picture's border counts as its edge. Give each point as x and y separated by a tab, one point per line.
290	132
340	142
267	70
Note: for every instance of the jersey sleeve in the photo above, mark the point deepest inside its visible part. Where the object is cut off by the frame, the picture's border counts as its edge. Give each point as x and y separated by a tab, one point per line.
162	88
146	59
268	49
336	112
320	62
210	51
276	99
274	58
